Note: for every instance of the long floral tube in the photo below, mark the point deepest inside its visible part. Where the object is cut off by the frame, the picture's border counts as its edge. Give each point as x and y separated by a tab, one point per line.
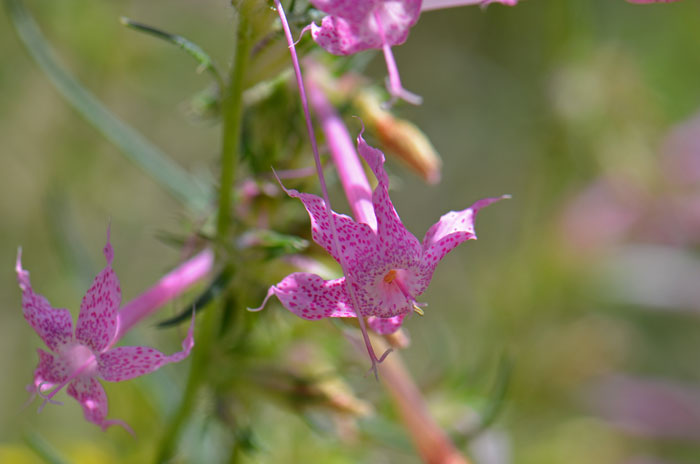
428	5
343	153
170	286
431	442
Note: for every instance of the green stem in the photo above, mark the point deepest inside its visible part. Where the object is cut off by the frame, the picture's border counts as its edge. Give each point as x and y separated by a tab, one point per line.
232	105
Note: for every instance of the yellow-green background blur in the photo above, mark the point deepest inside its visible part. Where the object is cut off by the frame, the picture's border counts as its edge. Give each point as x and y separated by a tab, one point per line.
536	101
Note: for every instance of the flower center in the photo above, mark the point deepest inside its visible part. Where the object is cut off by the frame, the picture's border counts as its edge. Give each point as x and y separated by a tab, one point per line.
390	276
80	359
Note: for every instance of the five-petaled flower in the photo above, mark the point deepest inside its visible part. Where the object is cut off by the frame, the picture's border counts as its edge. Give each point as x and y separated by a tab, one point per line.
356	25
78	360
388	268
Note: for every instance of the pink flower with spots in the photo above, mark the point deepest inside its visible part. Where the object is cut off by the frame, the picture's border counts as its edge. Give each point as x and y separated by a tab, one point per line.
77	360
388	267
356	25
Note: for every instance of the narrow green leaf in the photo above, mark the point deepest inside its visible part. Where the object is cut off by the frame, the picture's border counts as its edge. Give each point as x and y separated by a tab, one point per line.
191	48
134	145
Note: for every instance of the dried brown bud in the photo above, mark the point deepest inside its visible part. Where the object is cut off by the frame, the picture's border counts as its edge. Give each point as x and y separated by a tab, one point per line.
399	137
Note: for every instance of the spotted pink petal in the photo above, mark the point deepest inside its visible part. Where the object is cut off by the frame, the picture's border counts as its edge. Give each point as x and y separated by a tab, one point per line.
451	230
358	28
52	370
311	297
128	362
358	241
340	37
91	396
400	246
54	326
386	326
352	10
97	322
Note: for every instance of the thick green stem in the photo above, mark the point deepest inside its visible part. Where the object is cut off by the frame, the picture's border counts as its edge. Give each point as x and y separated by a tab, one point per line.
232	104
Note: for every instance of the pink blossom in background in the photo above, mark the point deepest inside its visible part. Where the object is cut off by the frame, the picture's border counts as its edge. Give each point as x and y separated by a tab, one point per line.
77	360
388	267
356	25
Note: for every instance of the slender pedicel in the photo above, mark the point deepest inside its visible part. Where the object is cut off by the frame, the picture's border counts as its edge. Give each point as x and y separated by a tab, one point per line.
324	189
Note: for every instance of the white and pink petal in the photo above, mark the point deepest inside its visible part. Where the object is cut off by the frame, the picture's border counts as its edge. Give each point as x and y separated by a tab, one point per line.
128	362
51	370
54	326
97	321
357	242
401	248
92	397
386	325
452	229
310	297
352	10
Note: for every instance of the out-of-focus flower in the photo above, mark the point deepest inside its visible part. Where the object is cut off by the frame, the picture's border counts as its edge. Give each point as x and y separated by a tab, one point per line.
78	359
388	267
356	25
648	407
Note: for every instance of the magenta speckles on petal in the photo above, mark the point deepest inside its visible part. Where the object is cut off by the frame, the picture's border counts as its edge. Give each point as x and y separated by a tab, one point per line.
77	362
54	326
385	326
92	397
311	297
97	322
127	362
389	268
352	27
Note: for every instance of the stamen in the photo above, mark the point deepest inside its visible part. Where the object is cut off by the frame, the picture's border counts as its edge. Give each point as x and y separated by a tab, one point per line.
390	276
69	379
418	309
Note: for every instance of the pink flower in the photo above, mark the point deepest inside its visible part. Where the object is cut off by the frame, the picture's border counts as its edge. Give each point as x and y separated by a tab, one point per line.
78	359
356	25
388	268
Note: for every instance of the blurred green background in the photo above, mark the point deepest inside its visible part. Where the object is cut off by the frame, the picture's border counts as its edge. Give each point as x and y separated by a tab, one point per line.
540	101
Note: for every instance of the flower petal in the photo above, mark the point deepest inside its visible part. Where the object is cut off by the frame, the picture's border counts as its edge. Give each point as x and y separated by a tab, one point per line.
54	326
97	322
127	362
386	326
361	28
357	241
352	10
340	37
52	370
452	229
401	248
92	397
310	297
